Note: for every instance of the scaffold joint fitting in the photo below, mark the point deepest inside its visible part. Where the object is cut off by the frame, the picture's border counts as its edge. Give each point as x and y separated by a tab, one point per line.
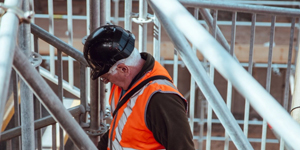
24	17
102	129
138	20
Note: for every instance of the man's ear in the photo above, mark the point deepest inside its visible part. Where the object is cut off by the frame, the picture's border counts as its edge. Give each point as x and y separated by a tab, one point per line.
123	68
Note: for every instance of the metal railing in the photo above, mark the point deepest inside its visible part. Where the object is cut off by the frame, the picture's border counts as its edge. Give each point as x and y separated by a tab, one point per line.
45	94
8	32
51	102
41	89
173	18
259	98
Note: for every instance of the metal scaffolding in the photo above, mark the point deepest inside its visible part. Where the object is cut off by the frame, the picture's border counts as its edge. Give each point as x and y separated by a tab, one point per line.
8	35
84	123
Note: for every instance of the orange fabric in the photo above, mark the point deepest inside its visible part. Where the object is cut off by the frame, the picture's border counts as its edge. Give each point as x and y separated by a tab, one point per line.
135	133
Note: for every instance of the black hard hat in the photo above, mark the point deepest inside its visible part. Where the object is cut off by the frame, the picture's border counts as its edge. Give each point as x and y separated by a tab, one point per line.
105	46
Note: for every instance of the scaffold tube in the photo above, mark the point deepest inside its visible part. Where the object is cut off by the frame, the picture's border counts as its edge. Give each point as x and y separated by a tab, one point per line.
231	70
8	38
198	72
40	123
51	102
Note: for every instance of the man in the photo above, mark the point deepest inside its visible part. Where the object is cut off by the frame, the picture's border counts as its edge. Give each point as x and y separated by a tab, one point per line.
148	111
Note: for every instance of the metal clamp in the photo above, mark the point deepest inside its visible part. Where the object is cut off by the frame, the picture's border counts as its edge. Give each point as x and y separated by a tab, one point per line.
107	114
24	17
138	20
276	70
35	59
103	128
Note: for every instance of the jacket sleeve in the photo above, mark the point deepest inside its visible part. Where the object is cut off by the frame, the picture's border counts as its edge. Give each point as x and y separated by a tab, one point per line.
167	119
102	144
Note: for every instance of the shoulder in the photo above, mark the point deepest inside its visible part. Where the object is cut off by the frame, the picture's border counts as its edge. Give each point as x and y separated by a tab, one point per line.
167	100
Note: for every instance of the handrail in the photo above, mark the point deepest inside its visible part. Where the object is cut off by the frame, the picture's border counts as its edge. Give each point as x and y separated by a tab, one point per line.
199	74
73	90
267	10
40	123
50	101
209	21
176	15
58	43
230	69
277	3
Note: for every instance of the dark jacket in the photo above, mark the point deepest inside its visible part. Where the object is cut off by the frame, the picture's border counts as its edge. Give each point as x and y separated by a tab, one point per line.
166	118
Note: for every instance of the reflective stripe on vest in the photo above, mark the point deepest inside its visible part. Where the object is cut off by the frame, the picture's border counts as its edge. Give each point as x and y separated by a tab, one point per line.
112	107
136	149
128	110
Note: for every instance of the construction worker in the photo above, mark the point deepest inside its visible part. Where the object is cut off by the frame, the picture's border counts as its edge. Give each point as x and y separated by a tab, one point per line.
148	111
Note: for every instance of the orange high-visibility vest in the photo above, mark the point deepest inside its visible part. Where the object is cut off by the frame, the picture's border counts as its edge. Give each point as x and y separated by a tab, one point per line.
128	129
